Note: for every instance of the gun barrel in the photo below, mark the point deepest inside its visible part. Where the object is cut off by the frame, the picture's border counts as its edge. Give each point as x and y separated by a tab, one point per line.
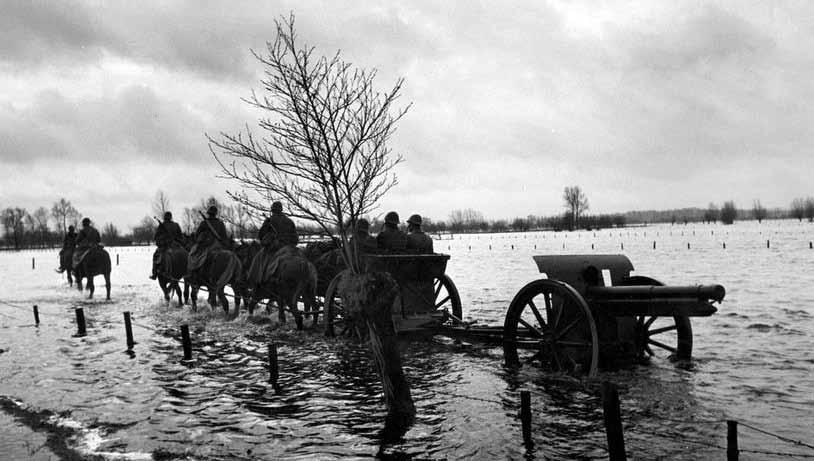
706	292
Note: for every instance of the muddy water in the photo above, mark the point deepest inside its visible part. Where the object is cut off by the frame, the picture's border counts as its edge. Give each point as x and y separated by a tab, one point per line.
86	395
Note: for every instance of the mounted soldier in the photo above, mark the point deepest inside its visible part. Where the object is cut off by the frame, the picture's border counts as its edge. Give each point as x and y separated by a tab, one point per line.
417	240
87	239
277	232
391	239
167	235
210	235
66	253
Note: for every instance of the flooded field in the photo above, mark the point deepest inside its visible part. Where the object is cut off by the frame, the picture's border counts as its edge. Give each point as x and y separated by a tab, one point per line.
753	363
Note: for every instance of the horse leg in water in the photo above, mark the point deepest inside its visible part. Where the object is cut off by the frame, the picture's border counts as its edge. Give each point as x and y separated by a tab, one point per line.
70	277
91	287
224	303
163	285
194	298
295	309
107	285
186	292
177	288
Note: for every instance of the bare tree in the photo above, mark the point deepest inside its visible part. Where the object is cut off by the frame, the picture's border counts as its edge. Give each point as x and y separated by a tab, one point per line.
324	149
38	224
576	202
729	212
14	224
324	152
110	234
798	208
712	213
809	209
161	203
758	211
467	219
64	213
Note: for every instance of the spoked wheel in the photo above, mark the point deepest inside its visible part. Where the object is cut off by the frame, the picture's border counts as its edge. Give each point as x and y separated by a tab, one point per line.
550	324
673	335
447	297
336	321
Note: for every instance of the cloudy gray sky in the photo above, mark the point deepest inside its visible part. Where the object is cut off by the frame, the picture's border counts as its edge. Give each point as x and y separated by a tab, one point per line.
650	104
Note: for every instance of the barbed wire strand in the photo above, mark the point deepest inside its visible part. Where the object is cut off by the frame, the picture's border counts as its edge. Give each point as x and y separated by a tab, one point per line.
785	439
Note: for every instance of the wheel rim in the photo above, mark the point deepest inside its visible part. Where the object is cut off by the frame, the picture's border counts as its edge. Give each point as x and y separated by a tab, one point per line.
670	334
336	322
447	297
549	324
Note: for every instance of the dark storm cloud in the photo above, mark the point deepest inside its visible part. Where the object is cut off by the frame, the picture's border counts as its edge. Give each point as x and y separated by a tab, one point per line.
132	124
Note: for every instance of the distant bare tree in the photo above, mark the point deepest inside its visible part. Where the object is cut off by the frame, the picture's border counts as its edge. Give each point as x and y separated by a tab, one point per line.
729	212
110	234
38	225
64	214
712	213
189	220
324	148
758	211
145	230
468	219
14	224
161	204
576	202
798	208
809	209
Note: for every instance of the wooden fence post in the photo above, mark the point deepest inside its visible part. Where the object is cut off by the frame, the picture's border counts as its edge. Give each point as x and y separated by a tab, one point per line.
274	370
525	418
186	342
613	422
80	322
732	440
128	331
36	315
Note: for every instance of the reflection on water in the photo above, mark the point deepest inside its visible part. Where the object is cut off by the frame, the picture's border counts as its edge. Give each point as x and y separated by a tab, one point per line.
752	363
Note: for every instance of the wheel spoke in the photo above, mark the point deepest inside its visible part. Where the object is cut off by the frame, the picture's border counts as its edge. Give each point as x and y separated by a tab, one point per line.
442	302
438	288
558	310
530	327
569	327
662	345
662	330
650	322
648	350
537	313
548	311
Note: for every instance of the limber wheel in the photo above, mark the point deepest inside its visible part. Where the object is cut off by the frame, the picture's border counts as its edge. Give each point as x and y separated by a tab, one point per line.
672	335
549	323
336	321
447	297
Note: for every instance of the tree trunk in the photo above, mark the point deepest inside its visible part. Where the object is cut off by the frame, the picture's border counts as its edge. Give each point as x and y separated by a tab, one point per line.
369	298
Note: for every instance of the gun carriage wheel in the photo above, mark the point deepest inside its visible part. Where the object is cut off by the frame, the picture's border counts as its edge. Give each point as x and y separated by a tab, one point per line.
674	336
549	323
447	297
336	320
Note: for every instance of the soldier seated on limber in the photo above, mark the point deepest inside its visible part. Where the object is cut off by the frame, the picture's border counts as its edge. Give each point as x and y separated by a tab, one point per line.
391	239
361	240
210	235
167	234
417	240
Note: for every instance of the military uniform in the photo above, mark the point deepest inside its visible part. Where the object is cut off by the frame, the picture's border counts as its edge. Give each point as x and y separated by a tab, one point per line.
87	239
66	253
278	230
419	242
210	235
167	234
391	239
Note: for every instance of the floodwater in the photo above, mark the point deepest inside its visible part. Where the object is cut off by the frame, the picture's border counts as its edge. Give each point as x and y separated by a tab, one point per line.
752	363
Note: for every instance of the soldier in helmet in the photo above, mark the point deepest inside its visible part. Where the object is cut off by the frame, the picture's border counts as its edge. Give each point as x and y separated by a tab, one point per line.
417	240
361	240
167	234
210	235
278	230
87	239
391	239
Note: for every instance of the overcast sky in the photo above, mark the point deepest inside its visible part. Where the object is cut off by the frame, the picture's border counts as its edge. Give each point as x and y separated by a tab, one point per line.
651	104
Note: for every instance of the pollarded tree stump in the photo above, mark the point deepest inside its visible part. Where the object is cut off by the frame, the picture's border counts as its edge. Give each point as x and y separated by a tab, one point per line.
369	298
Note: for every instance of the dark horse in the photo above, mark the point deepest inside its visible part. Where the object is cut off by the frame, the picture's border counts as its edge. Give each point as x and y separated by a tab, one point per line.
95	262
222	268
291	277
172	270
